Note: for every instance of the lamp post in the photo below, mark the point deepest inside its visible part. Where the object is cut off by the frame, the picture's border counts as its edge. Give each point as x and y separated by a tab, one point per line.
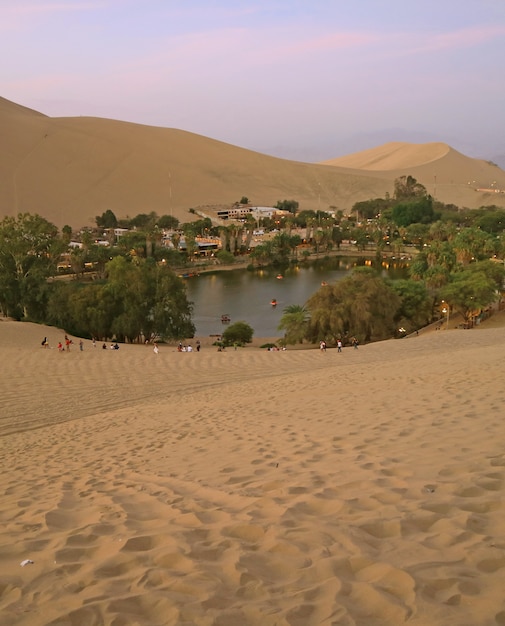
446	312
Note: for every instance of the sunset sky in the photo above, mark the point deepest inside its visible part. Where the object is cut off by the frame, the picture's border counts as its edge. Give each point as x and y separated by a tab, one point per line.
301	79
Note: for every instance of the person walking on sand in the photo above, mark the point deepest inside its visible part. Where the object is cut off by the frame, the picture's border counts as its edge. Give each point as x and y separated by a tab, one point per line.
156	349
339	345
354	343
81	345
197	345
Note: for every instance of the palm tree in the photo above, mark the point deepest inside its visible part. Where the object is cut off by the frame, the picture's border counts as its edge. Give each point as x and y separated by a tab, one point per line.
294	322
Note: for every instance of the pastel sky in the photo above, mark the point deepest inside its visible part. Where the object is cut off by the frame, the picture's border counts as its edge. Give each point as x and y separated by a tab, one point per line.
302	79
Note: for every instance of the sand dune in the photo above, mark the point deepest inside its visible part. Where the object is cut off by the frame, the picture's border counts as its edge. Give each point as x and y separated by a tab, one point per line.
71	169
447	174
393	156
248	487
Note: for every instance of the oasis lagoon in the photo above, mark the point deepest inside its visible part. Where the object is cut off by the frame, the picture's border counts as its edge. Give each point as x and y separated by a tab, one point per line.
247	295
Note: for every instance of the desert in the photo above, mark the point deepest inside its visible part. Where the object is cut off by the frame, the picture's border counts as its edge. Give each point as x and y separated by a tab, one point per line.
69	170
291	488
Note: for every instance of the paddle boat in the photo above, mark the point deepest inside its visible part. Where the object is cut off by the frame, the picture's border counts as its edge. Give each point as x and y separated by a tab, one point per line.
225	318
273	302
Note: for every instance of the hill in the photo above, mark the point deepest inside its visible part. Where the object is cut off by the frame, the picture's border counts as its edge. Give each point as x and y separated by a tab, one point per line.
446	173
71	169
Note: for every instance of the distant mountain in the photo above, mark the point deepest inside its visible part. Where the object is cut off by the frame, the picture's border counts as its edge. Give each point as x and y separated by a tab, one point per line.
71	169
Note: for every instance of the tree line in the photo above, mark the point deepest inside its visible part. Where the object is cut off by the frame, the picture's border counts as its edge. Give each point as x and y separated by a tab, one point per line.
459	266
135	294
133	298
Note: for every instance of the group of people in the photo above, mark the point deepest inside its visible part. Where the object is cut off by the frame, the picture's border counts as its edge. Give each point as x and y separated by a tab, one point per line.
354	343
188	348
64	346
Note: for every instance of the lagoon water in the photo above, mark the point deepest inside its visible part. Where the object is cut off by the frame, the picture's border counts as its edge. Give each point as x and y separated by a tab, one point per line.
246	295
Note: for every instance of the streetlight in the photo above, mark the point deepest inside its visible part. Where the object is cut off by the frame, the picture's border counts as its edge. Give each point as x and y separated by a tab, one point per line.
446	311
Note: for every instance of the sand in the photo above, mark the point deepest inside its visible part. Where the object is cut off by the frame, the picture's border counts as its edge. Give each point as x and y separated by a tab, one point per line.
69	170
247	487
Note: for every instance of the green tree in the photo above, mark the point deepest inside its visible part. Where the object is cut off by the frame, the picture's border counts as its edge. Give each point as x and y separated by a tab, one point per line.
238	333
417	234
30	247
77	261
144	221
264	253
140	299
469	292
66	234
472	244
294	322
287	205
407	188
225	257
150	301
415	304
362	304
414	211
370	209
168	222
106	220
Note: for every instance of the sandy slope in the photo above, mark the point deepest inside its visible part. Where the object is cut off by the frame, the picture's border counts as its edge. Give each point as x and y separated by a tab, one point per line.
392	156
448	175
248	487
71	169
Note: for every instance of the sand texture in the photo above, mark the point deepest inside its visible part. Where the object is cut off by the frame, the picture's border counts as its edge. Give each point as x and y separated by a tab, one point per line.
248	487
71	169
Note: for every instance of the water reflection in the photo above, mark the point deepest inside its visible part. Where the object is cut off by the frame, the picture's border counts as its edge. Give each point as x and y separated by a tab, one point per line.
245	295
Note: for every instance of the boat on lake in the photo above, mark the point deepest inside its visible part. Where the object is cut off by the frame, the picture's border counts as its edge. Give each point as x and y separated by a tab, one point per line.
225	318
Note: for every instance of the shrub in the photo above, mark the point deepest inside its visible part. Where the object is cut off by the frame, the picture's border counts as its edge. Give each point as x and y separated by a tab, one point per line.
238	333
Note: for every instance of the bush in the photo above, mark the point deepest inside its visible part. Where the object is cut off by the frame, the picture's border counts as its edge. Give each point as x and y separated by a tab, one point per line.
238	333
225	257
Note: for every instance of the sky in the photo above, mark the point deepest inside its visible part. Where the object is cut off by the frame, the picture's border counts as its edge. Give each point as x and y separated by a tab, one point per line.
301	79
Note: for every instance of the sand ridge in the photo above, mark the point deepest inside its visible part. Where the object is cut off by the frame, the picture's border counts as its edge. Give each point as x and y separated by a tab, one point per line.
250	487
392	156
